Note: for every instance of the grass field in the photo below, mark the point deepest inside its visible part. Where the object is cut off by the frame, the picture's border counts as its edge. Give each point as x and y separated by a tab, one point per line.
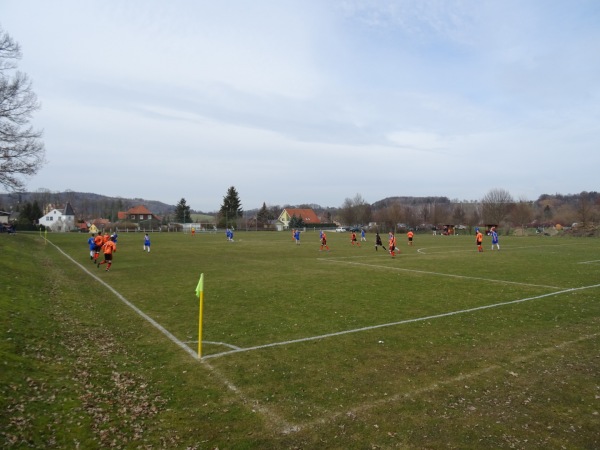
441	347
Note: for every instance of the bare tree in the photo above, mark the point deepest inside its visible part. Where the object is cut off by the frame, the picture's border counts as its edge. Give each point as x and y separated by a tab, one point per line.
496	205
522	213
355	211
21	148
347	212
585	210
459	214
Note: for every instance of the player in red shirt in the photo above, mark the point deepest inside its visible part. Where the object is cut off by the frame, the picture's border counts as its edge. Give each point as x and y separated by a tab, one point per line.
324	242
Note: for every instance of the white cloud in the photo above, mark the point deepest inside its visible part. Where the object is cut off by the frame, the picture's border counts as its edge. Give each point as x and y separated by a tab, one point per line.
408	97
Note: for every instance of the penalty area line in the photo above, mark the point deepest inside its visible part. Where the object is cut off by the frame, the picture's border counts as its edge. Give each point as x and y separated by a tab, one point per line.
426	272
401	322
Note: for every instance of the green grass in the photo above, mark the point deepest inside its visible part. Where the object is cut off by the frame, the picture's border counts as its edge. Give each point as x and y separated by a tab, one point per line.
346	349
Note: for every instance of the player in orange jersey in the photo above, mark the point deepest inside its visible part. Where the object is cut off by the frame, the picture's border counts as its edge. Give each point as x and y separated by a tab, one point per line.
108	249
324	242
98	241
410	235
479	240
392	244
353	239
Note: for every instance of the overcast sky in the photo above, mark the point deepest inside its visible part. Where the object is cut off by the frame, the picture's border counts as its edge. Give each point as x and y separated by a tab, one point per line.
313	101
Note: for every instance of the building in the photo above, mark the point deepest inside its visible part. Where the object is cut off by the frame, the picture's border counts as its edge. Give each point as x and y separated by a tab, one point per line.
137	214
308	216
4	216
59	220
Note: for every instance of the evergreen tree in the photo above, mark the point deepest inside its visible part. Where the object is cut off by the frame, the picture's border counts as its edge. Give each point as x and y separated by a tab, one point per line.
30	213
262	217
296	222
182	212
231	209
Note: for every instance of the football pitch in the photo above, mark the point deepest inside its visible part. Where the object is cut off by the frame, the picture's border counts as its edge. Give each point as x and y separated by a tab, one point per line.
496	348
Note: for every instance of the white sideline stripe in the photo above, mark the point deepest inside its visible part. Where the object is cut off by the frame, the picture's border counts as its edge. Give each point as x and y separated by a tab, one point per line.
274	419
153	322
402	269
402	322
589	262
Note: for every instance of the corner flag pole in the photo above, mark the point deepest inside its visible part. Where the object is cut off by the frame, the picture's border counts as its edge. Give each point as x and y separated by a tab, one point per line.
200	295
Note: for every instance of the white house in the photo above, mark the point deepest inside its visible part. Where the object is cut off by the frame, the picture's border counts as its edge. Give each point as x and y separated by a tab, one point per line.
59	220
4	216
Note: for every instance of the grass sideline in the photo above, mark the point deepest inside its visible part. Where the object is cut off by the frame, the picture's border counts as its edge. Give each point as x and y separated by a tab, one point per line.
82	367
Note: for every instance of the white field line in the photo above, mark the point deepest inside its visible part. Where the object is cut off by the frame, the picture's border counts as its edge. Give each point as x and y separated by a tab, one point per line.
432	387
401	322
590	262
274	419
466	277
131	305
423	251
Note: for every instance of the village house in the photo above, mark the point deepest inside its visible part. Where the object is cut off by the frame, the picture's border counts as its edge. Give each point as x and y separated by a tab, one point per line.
4	216
308	216
59	220
137	214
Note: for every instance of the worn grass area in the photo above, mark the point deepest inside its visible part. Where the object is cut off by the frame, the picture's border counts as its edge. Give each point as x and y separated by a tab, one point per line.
440	347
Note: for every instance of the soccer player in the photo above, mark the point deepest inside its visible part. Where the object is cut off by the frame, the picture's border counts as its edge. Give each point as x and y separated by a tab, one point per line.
363	235
353	239
92	246
324	242
495	239
297	236
378	242
108	249
478	240
98	241
410	235
392	244
146	243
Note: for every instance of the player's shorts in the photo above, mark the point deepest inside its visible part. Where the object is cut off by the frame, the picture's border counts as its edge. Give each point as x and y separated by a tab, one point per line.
108	257
97	248
410	239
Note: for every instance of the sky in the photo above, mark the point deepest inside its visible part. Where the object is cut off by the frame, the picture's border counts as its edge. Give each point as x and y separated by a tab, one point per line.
312	101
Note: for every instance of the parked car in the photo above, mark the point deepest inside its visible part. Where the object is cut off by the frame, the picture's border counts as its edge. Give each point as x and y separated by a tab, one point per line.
340	230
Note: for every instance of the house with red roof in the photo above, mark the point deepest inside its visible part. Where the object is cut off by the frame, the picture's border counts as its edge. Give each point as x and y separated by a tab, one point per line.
137	214
308	216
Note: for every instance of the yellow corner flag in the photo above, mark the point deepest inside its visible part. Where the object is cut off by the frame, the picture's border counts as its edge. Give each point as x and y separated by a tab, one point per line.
200	295
200	287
